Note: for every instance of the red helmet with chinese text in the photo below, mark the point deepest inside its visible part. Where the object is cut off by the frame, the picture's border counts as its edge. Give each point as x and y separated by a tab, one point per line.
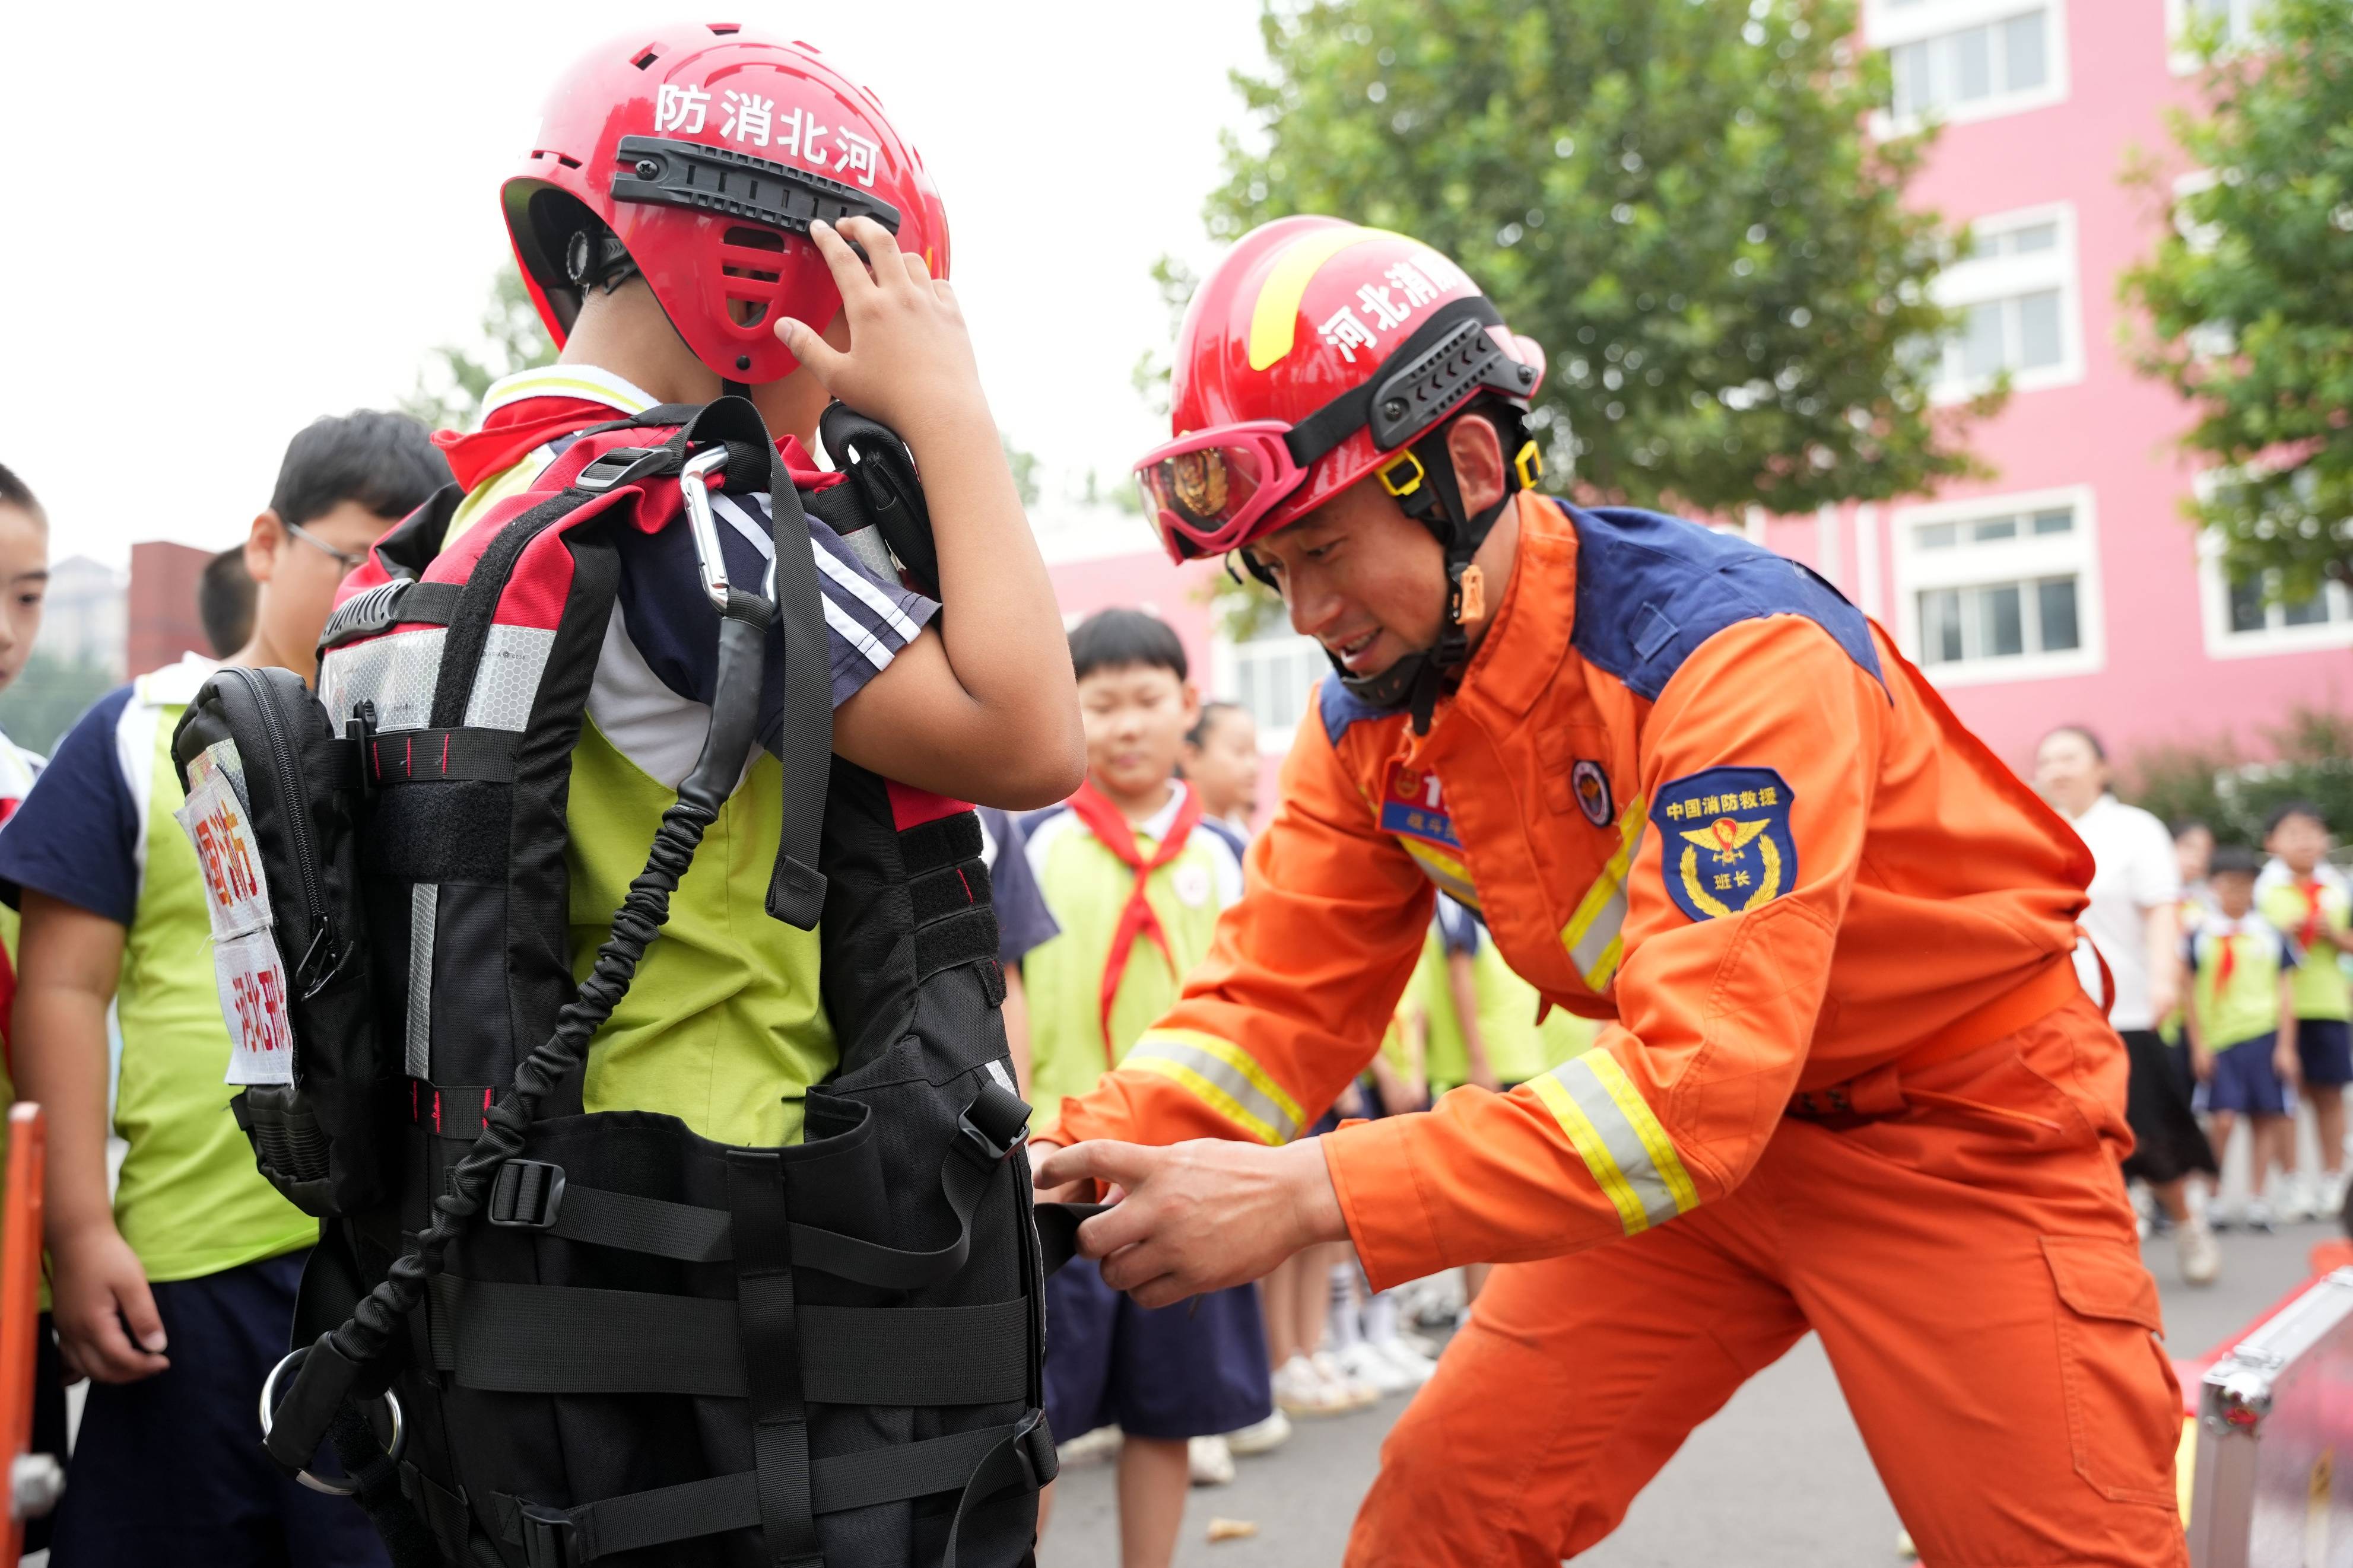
698	155
1319	351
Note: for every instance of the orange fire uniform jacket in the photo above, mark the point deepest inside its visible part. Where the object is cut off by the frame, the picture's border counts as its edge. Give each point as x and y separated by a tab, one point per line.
1694	791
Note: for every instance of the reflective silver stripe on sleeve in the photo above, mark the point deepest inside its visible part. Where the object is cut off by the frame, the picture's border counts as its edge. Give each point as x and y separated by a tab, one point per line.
1222	1077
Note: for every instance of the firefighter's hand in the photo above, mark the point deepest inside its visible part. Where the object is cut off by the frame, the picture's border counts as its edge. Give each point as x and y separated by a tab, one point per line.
98	1287
910	361
1202	1215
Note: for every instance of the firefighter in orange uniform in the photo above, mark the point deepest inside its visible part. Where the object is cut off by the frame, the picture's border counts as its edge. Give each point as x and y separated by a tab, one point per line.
1850	1082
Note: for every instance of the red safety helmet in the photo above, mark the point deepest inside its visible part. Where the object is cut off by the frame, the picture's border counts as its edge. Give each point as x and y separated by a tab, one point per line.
706	150
1318	351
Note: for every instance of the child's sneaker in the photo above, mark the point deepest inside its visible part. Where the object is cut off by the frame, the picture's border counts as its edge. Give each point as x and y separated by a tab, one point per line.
1210	1462
1260	1437
2332	1194
1354	1391
2257	1215
1411	1365
2200	1256
2297	1202
1367	1366
1300	1390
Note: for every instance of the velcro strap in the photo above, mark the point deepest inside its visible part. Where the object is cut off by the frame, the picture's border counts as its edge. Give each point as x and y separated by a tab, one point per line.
950	890
449	1110
940	843
550	1339
440	756
965	938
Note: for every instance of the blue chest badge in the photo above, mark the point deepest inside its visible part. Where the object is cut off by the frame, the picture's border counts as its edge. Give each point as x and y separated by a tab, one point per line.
1410	808
1724	841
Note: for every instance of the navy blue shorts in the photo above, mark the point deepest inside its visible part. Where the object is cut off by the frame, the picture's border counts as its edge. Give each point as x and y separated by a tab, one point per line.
170	1470
2244	1080
2326	1047
1192	1370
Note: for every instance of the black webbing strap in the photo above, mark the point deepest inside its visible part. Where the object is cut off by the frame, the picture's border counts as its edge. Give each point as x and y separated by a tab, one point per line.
449	1110
967	936
804	744
440	756
446	1513
692	1233
407	1538
957	1462
767	1330
1022	1461
1057	1230
557	1338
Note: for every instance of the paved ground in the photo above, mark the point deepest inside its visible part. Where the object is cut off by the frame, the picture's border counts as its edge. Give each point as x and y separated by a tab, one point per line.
1778	1479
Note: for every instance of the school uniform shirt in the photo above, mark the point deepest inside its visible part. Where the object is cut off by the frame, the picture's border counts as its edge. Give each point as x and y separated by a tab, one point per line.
724	1027
2133	870
96	831
1085	887
2236	966
2304	908
1023	922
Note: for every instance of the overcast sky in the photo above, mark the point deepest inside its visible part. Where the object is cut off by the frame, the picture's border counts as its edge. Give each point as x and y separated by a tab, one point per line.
227	219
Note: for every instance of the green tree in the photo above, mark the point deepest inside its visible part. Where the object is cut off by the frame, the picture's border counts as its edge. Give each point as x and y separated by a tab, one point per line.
48	695
1680	200
2213	782
2249	295
509	338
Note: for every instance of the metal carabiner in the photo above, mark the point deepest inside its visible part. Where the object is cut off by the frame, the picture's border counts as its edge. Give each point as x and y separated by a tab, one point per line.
694	483
269	1414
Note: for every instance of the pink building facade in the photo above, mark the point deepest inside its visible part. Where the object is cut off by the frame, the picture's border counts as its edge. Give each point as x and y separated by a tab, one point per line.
2064	587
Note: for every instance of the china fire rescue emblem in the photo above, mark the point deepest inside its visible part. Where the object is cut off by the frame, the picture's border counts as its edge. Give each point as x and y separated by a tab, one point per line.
1724	841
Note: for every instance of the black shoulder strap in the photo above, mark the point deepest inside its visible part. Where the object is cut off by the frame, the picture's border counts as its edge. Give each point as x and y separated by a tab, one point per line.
882	472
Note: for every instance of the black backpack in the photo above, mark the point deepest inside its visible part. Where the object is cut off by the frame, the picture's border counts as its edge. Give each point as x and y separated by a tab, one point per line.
540	1336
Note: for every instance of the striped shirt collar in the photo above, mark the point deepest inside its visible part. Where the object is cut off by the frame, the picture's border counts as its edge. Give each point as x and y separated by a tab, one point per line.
587	382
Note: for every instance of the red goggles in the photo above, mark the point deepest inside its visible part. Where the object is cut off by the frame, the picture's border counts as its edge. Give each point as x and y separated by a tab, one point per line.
1209	489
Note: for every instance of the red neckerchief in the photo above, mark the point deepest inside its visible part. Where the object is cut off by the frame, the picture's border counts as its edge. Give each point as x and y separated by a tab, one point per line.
2308	933
1111	830
2228	961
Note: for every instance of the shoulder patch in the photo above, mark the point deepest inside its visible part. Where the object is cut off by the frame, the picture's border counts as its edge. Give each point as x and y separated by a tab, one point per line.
1339	708
1724	841
1652	588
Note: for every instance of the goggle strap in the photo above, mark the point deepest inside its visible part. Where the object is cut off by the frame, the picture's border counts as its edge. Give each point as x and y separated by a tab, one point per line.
1323	430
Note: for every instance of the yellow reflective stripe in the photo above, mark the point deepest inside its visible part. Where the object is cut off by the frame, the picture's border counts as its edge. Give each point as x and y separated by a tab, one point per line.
1587	1141
1614	1133
1274	319
1591	935
1637	1111
1449	874
1223	1075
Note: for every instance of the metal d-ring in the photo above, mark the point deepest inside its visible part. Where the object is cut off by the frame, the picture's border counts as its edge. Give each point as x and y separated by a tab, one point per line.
268	1417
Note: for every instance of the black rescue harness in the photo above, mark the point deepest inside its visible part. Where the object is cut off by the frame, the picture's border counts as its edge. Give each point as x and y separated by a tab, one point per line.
539	1337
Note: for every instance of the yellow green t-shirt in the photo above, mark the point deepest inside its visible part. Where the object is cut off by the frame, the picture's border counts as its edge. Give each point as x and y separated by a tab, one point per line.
1086	885
2237	1000
1519	1048
2320	986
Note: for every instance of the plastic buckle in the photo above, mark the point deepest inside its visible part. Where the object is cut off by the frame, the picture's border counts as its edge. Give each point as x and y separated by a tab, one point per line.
528	1194
624	464
1405	486
1529	465
547	1537
1003	1125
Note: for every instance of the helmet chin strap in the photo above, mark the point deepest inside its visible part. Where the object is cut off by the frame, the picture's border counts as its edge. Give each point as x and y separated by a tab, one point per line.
1434	499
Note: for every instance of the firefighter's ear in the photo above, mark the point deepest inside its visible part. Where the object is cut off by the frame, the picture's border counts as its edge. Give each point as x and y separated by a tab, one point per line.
1477	453
265	542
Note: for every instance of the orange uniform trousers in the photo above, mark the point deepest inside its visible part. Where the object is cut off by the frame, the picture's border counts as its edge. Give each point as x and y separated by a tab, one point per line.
1970	1263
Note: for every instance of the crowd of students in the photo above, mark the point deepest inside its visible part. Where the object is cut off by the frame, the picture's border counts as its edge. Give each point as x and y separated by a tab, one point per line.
2232	984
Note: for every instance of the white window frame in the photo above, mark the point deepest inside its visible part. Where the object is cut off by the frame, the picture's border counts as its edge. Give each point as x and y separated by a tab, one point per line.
1886	25
2185	61
1226	657
2214	610
2075	553
1982	280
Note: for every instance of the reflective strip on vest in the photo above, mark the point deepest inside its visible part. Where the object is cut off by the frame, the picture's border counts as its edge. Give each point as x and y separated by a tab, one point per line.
424	907
1222	1077
1629	1154
1592	934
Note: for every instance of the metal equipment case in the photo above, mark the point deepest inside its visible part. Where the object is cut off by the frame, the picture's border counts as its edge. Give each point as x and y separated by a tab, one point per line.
2274	1482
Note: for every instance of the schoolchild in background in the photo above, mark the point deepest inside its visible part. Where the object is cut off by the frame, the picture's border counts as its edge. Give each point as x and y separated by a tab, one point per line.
2242	1017
2299	892
1222	761
1134	872
175	1297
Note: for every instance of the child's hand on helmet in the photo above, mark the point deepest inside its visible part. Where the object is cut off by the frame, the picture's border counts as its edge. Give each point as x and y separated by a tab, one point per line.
910	361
